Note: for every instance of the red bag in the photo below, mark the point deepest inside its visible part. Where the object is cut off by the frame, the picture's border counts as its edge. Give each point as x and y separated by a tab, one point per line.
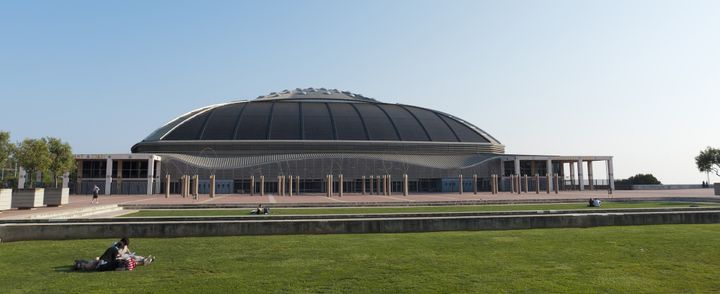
130	264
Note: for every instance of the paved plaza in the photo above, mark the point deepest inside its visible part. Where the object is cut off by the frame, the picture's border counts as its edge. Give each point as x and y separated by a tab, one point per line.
83	201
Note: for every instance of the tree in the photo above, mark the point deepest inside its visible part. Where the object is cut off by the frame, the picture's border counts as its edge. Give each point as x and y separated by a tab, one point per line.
639	179
644	179
61	156
5	148
709	161
34	156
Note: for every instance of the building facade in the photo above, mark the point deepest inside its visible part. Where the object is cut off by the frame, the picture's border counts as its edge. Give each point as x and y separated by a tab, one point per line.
315	137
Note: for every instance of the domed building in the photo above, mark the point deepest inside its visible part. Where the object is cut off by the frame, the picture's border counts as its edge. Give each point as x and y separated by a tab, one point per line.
307	135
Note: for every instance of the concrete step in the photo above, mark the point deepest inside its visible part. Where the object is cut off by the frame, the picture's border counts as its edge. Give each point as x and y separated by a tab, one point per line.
76	212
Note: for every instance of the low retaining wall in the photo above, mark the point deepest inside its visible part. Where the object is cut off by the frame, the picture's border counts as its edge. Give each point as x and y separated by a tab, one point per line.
666	187
62	231
135	206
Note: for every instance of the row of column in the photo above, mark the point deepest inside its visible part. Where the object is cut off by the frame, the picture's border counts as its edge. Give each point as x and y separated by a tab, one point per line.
580	173
519	184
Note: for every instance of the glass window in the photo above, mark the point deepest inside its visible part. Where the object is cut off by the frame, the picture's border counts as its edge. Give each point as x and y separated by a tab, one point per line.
94	168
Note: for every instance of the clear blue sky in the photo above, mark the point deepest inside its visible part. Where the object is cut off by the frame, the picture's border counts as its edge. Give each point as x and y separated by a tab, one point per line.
639	80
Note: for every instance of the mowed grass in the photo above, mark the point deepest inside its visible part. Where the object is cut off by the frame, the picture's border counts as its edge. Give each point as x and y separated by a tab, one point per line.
412	209
637	259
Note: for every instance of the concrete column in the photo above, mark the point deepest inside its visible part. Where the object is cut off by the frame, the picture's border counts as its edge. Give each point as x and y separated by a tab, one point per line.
252	185
495	184
378	185
548	180
590	174
492	184
460	184
526	184
384	184
537	184
548	164
406	186
512	184
363	185
474	184
371	185
340	185
196	186
158	172
212	186
279	185
108	176
611	176
21	178
517	166
167	186
297	185
65	179
501	175
290	186
519	184
557	185
262	185
572	175
150	175
389	189
183	186
581	183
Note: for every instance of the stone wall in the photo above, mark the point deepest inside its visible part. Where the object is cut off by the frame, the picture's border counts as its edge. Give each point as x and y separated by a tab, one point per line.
65	230
666	187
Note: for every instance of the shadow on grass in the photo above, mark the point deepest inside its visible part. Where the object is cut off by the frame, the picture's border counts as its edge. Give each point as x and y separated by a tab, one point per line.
66	269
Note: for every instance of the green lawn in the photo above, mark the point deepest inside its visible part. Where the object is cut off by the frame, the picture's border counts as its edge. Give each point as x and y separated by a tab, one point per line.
639	259
411	209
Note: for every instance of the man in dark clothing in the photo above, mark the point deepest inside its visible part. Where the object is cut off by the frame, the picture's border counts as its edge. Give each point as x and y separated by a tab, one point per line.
109	260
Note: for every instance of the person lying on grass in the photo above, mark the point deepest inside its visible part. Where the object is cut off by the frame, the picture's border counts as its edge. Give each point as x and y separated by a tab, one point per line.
116	257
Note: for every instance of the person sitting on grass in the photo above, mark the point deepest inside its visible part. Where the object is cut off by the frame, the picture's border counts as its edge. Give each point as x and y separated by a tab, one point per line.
117	257
257	210
591	202
260	210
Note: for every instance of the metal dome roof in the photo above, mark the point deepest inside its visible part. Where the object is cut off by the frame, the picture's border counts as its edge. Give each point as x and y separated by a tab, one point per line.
318	114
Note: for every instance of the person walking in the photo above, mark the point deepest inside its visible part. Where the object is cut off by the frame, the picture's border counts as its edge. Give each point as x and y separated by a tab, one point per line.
95	199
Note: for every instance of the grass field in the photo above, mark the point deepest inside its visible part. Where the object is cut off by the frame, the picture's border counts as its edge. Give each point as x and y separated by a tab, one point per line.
411	209
639	259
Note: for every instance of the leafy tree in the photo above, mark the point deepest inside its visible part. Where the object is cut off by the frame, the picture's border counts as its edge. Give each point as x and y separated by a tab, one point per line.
61	156
709	161
34	156
644	179
5	148
639	179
